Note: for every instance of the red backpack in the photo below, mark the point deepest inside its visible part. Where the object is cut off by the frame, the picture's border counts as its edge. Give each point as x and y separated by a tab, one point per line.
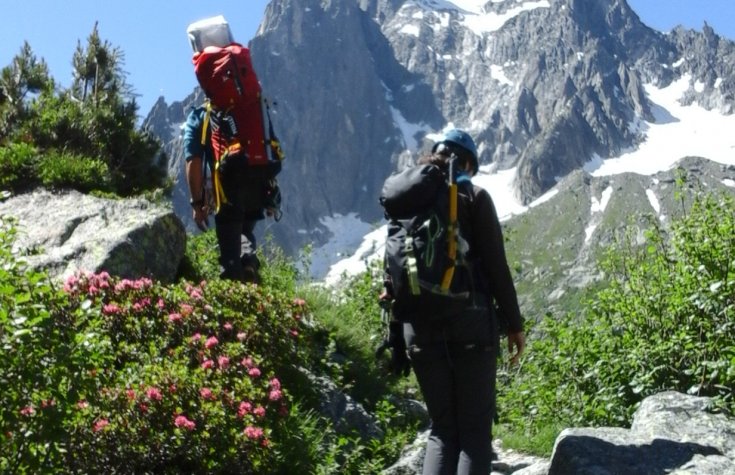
237	112
228	79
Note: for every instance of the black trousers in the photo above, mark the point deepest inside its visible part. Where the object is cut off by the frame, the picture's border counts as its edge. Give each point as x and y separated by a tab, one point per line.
454	359
235	222
458	384
237	247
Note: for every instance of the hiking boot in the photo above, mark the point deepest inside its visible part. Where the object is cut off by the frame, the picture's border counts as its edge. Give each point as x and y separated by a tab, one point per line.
250	275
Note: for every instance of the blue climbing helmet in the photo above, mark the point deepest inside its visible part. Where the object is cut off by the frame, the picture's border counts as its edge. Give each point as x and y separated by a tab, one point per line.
459	138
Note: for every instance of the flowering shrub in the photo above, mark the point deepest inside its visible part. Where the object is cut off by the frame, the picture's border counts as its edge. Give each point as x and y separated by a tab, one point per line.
111	375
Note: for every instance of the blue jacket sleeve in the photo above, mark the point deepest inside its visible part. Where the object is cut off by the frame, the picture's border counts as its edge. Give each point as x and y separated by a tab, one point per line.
193	134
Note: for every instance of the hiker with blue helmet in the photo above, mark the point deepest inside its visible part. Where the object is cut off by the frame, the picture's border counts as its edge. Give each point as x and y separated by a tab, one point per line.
454	357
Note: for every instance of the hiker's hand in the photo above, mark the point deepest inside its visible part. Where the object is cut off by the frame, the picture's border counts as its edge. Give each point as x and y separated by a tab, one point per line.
199	214
517	342
399	363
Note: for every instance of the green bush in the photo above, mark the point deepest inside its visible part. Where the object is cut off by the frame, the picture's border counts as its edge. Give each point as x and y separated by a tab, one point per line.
108	375
17	166
96	117
65	170
664	321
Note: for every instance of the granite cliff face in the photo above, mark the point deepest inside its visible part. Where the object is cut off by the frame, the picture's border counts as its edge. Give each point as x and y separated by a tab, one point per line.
544	86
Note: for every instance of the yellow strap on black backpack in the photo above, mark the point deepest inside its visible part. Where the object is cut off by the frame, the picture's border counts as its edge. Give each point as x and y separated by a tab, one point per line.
452	231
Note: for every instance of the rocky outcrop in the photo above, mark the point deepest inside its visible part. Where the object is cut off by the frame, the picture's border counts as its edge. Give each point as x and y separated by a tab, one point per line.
347	415
67	231
671	433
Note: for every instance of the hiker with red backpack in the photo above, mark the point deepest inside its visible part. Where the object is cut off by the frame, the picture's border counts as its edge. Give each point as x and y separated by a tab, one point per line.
446	271
229	145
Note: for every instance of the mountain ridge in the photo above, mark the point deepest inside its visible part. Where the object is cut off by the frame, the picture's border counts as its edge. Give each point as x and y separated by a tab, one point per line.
361	87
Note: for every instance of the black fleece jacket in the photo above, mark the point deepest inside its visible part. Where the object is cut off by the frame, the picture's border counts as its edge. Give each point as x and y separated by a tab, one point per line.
488	250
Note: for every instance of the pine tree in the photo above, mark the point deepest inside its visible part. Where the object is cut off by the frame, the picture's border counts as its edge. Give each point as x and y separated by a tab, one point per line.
26	75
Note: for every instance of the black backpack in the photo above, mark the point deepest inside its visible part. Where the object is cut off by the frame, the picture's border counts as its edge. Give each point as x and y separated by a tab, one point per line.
426	250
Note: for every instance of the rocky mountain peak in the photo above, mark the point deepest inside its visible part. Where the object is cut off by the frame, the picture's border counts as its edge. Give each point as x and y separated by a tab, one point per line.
543	86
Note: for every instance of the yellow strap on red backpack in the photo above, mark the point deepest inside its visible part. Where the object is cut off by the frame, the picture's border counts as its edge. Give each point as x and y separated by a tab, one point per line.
219	194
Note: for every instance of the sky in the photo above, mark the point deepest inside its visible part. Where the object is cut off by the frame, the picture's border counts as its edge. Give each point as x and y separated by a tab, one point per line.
152	34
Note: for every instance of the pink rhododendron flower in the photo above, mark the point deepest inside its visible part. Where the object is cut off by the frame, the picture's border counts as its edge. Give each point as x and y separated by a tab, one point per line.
211	342
195	294
186	309
71	283
123	285
259	411
111	309
299	302
244	409
253	432
228	326
206	393
208	308
142	283
100	424
275	395
241	336
172	388
154	394
141	304
294	332
82	404
27	411
223	362
254	372
92	290
143	407
174	317
131	394
184	423
207	364
47	403
274	383
196	337
160	304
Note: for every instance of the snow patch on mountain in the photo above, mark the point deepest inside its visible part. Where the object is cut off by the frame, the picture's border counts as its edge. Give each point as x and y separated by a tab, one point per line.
473	14
678	131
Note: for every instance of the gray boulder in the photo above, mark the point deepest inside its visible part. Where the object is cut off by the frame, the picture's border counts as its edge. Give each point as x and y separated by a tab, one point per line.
63	232
671	433
347	415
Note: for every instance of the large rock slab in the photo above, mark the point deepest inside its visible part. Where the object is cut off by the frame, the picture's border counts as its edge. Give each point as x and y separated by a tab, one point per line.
63	232
671	433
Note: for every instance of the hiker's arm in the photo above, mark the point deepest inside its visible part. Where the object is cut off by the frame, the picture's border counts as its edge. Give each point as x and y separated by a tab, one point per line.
488	237
195	180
